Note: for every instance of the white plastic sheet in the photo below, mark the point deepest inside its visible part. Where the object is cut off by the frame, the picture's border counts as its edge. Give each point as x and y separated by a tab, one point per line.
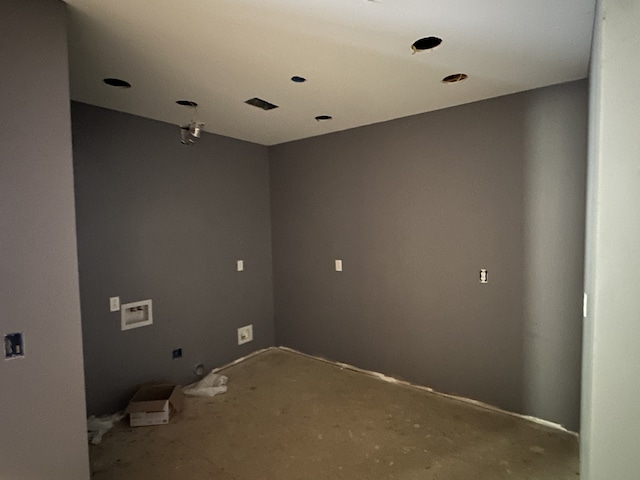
98	426
211	385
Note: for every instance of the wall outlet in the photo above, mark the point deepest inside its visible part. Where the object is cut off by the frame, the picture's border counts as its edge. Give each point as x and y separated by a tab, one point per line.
484	275
240	265
245	334
338	265
114	304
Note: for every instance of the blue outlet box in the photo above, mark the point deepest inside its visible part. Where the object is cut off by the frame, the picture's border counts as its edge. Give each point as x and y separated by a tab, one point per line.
14	345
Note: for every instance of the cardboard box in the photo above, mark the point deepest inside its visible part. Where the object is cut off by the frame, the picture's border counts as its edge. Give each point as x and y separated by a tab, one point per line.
154	404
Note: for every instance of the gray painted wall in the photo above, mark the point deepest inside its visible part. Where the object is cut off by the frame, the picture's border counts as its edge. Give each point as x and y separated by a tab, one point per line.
42	394
554	194
611	372
163	221
415	208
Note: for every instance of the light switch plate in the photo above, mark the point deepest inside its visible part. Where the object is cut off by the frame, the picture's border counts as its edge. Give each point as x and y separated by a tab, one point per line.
240	265
338	265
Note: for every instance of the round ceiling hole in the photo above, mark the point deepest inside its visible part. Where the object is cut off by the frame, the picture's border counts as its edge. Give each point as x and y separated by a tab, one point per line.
322	118
187	103
297	79
426	43
455	78
116	82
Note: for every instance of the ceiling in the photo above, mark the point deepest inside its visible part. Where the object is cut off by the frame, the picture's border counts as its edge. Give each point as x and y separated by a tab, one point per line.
355	54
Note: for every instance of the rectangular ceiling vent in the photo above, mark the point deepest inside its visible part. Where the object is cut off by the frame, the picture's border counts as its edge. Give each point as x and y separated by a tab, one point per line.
263	104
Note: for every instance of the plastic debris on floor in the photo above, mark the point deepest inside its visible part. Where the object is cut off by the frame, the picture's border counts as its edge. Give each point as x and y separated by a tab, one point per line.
98	426
209	386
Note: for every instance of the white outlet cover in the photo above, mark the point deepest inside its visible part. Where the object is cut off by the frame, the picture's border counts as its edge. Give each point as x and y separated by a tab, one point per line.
240	265
245	334
338	265
114	304
484	275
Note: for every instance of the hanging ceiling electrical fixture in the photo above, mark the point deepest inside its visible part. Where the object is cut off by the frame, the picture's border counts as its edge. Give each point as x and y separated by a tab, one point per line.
191	132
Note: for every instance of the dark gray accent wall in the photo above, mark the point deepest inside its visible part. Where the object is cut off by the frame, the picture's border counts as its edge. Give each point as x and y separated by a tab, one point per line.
415	208
163	221
554	224
42	394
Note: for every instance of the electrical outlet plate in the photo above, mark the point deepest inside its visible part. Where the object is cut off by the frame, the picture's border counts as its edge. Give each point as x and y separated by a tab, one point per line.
114	304
484	275
245	334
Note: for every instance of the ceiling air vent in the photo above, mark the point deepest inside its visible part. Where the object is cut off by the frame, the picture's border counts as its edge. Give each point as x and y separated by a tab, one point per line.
263	104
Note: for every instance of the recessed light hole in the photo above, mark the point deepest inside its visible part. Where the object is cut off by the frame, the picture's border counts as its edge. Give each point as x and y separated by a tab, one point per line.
455	78
263	104
297	79
322	118
187	103
426	43
117	82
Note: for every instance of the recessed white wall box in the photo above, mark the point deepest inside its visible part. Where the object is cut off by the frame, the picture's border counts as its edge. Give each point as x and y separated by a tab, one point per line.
245	334
484	276
136	314
338	265
114	304
240	265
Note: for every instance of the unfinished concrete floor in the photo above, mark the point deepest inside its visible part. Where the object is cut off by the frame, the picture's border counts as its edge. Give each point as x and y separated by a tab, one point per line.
288	416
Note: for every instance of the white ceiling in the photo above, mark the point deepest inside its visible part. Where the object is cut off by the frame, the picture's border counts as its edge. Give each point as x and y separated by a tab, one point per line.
355	54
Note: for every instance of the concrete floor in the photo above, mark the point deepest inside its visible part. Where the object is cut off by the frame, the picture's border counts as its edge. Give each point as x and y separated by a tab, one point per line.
288	416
